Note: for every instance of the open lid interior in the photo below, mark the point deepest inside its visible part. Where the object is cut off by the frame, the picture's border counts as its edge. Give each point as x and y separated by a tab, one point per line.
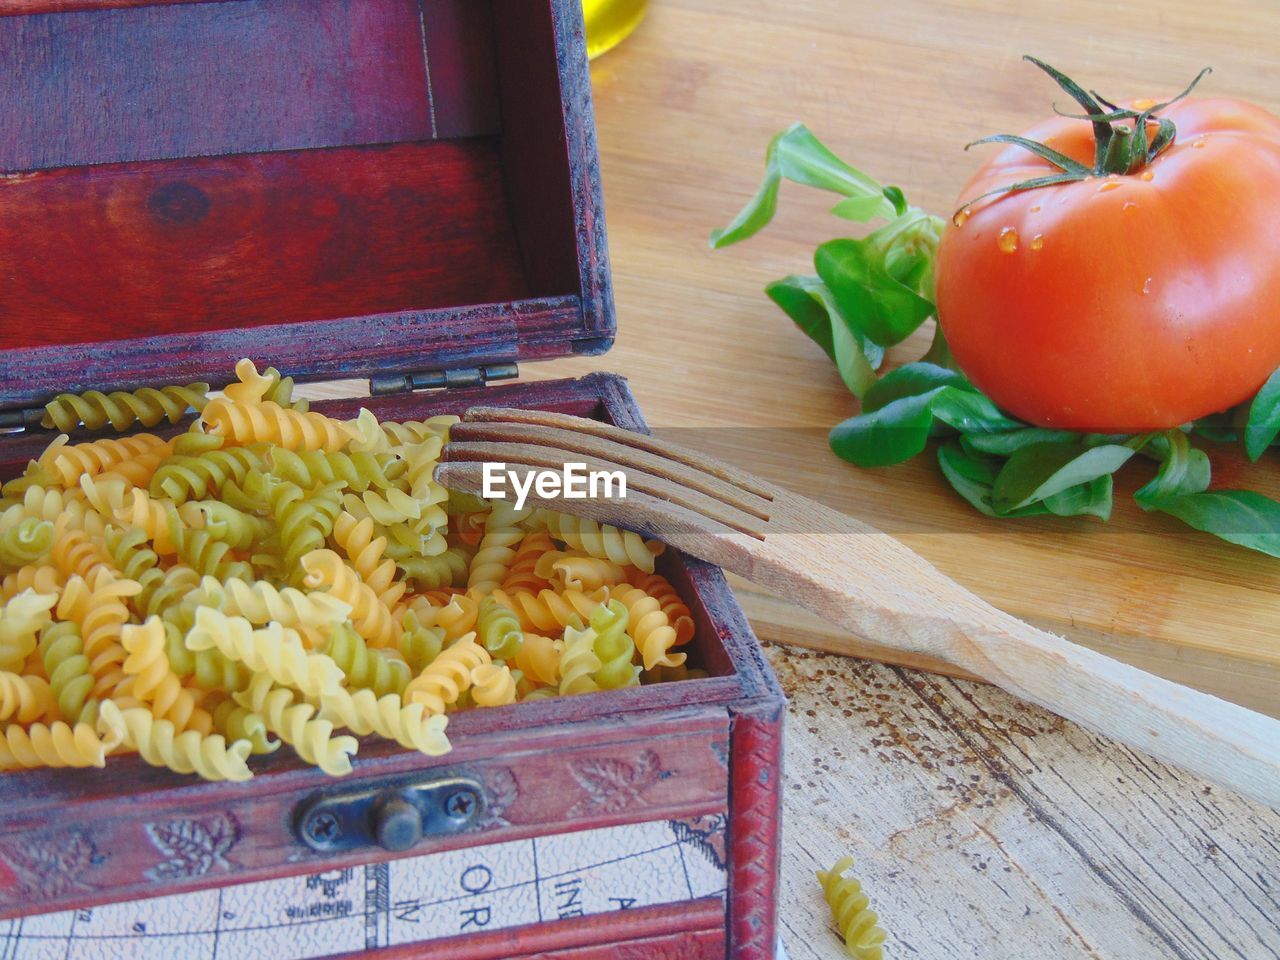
335	187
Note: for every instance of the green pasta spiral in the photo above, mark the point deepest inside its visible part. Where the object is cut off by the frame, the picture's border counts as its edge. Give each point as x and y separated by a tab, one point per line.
615	649
25	542
303	521
70	677
419	644
281	391
448	569
365	668
122	409
210	668
235	722
183	478
358	471
499	629
224	522
130	551
204	553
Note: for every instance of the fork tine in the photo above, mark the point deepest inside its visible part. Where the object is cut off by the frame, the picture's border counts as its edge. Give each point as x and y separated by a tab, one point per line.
648	515
627	438
623	455
663	488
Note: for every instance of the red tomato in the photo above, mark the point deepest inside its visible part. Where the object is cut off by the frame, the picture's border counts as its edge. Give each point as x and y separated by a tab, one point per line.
1122	303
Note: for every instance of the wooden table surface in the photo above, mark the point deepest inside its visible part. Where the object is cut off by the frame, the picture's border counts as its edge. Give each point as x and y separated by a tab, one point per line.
982	827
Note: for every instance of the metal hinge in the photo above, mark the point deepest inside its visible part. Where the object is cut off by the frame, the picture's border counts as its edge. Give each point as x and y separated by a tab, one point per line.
437	379
19	420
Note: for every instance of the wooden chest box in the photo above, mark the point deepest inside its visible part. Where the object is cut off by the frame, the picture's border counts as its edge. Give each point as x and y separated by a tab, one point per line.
406	191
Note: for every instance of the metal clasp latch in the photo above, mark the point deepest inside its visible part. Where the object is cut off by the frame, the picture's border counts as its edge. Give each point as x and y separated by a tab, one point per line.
394	817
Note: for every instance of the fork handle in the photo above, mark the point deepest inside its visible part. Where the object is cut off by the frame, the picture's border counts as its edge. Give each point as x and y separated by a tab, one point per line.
874	586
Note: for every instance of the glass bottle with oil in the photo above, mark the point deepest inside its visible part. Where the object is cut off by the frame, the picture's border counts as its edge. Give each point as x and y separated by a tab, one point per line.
608	22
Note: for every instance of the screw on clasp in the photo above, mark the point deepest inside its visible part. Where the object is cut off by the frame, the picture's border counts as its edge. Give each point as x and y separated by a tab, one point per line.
321	829
393	815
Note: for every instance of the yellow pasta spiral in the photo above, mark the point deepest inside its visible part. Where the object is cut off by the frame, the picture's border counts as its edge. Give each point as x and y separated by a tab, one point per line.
41	503
151	516
458	617
578	663
522	575
54	745
261	602
41	578
446	677
539	658
550	611
603	540
24	699
649	627
160	744
857	922
21	619
272	650
99	610
677	611
135	458
325	569
268	422
154	680
410	725
493	559
492	685
365	551
122	409
76	553
578	572
297	725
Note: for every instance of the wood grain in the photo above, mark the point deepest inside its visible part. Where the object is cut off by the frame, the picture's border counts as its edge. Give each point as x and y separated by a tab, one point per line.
685	108
982	827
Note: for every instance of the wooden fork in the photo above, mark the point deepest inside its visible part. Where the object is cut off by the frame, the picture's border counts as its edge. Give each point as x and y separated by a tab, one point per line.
863	580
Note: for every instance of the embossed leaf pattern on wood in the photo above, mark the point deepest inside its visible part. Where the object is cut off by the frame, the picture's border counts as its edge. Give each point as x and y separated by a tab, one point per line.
193	847
612	785
48	867
501	791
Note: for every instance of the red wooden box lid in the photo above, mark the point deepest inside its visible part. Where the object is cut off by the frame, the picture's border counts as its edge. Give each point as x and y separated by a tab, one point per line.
335	187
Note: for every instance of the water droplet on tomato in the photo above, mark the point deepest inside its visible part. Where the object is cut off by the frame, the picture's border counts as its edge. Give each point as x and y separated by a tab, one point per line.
1129	205
1199	144
1008	240
1147	175
1109	185
1146	286
961	216
1035	208
1037	241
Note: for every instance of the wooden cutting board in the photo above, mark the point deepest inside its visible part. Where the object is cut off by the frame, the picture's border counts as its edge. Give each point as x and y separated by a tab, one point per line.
685	108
